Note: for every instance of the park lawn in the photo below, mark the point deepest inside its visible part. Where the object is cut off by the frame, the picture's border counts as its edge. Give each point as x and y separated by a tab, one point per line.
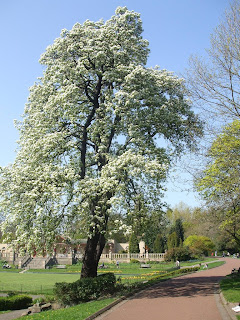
196	262
127	279
230	287
124	268
41	283
214	264
79	312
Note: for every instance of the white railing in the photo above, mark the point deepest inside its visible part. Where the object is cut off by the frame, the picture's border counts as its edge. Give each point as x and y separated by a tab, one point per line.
137	256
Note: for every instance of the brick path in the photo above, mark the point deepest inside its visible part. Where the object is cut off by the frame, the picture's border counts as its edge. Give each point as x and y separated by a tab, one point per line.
190	297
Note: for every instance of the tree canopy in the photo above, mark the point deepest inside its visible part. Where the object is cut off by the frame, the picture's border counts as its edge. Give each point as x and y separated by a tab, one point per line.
89	138
219	183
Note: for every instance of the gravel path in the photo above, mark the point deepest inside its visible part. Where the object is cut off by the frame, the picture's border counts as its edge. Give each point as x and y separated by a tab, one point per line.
190	297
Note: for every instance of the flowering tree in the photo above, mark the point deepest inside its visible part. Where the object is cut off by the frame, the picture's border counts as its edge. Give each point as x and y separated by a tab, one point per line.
89	135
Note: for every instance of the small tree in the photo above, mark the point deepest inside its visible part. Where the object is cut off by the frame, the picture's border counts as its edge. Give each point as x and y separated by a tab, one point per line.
172	241
133	244
179	232
199	244
159	244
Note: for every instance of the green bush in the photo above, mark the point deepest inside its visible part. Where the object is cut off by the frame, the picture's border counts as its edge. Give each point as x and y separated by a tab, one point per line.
134	261
15	302
85	289
180	253
200	245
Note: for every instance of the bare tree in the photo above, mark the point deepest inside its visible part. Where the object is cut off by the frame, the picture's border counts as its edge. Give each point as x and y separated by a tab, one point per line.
215	81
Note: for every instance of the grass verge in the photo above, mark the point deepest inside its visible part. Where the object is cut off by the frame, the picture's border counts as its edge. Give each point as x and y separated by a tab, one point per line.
230	287
79	312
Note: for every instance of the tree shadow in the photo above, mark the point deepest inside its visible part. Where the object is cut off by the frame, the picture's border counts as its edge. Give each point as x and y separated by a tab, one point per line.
182	287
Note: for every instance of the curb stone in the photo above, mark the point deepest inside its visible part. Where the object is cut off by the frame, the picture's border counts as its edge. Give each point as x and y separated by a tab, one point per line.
228	306
99	312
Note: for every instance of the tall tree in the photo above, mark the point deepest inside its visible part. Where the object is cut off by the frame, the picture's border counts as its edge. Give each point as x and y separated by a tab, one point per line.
159	244
215	80
172	241
219	183
179	231
133	243
89	135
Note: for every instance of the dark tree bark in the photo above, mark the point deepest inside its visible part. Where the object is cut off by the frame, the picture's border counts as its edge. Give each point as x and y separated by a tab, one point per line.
93	251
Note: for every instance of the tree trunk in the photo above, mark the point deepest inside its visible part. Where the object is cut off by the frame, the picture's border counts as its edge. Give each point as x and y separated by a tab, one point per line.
92	255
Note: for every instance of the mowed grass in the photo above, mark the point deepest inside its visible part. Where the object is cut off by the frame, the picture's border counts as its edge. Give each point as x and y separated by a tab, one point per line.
124	268
79	312
40	283
230	287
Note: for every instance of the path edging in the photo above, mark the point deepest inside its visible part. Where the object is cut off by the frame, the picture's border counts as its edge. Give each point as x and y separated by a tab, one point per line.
227	306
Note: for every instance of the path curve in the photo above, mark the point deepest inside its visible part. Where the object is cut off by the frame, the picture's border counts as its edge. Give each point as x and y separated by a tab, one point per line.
190	297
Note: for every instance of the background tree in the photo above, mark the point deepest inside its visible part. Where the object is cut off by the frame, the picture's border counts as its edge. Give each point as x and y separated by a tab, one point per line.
215	81
159	244
172	241
89	139
219	183
133	244
199	244
179	231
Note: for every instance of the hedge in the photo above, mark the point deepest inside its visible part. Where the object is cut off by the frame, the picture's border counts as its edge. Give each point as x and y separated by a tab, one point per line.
85	289
15	302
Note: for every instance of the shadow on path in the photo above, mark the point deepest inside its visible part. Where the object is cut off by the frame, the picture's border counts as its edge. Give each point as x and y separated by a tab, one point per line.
180	287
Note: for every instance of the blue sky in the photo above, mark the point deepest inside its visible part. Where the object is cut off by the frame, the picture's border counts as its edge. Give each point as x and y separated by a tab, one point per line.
175	29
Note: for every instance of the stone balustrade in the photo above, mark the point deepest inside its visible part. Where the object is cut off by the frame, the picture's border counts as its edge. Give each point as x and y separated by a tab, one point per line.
126	257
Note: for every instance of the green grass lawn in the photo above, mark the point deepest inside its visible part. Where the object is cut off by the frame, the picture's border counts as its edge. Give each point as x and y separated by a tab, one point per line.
230	287
42	281
124	268
79	312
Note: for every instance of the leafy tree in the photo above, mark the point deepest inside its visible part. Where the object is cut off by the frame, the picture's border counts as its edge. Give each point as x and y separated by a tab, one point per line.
219	183
159	244
155	224
200	244
89	136
179	231
215	81
177	228
133	243
172	241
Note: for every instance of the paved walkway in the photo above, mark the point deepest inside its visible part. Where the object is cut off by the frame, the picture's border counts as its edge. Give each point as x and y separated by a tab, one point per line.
190	297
